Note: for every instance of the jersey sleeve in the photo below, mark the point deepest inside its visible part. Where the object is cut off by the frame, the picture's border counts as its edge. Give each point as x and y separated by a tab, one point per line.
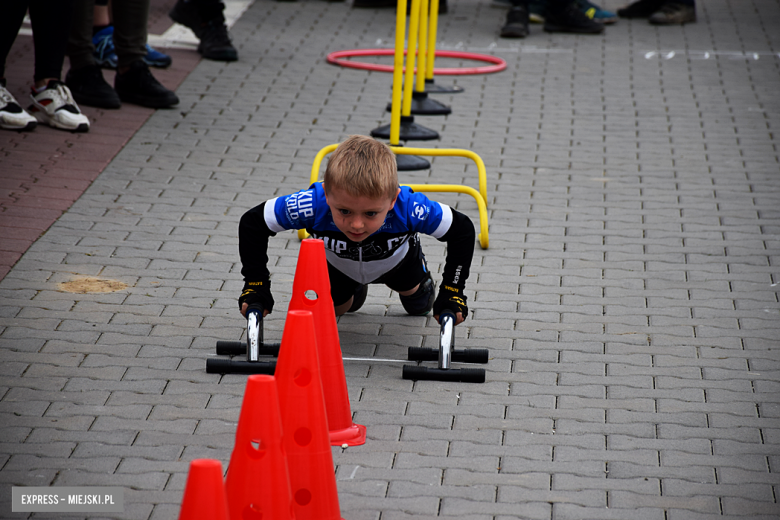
445	224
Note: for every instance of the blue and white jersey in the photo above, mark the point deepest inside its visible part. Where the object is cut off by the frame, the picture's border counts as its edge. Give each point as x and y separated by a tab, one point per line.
367	260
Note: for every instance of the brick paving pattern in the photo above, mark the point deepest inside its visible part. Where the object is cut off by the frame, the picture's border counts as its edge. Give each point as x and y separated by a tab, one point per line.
629	296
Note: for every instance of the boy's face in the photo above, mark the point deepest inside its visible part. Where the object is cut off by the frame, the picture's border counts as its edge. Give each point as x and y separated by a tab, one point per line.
358	217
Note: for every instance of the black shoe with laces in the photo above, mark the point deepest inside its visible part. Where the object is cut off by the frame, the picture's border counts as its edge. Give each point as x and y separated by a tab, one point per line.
90	88
570	20
215	42
516	25
640	9
137	85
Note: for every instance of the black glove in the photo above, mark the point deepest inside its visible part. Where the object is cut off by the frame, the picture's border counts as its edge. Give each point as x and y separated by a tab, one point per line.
257	292
451	298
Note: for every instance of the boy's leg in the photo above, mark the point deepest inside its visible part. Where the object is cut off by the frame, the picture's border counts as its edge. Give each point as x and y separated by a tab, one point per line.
345	292
412	281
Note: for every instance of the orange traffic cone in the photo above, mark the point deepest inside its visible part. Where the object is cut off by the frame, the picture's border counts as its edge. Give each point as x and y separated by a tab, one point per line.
304	418
204	493
258	482
311	275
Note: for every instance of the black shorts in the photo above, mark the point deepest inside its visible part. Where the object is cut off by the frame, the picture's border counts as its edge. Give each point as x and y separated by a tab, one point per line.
410	272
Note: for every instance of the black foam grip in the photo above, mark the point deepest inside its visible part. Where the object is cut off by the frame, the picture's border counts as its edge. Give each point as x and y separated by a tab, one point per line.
238	348
230	366
231	348
459	375
469	355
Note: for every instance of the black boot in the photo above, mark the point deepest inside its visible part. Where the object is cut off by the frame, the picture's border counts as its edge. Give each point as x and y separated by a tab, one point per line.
570	19
90	88
138	86
516	25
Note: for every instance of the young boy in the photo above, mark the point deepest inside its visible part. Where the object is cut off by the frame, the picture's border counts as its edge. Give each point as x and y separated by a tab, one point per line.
369	226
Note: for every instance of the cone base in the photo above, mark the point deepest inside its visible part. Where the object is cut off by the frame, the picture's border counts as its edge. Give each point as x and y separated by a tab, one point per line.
411	163
355	435
433	88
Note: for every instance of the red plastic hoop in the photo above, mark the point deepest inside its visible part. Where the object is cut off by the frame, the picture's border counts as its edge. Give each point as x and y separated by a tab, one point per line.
337	58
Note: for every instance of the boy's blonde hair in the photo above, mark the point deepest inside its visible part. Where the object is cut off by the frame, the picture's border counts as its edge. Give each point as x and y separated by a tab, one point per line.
363	167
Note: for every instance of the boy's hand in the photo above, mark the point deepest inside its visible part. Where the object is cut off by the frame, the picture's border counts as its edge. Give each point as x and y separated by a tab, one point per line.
256	292
451	298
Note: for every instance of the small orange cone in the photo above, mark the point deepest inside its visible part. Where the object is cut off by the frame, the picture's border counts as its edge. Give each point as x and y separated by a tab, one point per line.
258	483
304	418
204	493
311	276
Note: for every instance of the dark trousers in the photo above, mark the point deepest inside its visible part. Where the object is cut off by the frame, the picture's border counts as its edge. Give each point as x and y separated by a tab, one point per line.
49	33
129	17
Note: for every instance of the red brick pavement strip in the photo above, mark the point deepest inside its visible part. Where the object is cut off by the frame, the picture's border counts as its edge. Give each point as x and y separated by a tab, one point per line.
44	171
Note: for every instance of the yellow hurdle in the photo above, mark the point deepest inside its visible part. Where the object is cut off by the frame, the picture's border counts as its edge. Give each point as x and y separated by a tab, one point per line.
479	196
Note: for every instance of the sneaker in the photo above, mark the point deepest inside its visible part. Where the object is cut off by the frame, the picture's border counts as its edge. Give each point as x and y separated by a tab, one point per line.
640	9
516	25
55	107
138	86
359	298
215	42
421	302
90	88
536	10
674	14
12	115
157	59
596	13
571	20
105	54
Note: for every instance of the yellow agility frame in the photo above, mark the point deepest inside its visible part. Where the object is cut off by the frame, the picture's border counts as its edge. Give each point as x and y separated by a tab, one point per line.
479	196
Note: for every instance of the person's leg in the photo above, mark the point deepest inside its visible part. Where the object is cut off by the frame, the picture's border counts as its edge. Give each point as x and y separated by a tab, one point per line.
412	280
12	115
50	25
130	30
342	290
10	23
134	82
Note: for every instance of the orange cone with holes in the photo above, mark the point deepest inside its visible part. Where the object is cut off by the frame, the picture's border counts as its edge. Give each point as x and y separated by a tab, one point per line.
204	493
311	292
258	483
305	421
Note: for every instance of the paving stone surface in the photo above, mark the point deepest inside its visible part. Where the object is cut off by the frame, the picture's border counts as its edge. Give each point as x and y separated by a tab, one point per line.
629	294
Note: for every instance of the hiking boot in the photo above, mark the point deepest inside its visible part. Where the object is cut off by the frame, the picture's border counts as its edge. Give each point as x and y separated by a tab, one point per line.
56	107
12	115
215	42
640	9
596	13
359	298
421	302
90	88
673	14
570	20
138	86
516	25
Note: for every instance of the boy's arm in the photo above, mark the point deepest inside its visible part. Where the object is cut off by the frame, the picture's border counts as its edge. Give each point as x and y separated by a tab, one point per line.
460	238
253	233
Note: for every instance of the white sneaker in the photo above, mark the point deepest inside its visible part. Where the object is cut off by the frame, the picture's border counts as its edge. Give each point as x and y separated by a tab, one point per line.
56	107
12	115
